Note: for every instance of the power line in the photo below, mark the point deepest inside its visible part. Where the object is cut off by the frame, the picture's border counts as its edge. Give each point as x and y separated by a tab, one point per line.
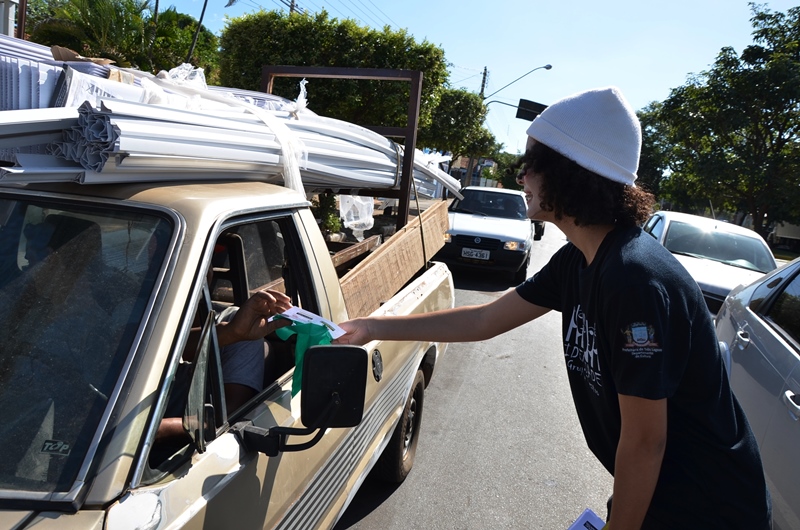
380	22
257	6
335	9
467	78
384	14
362	13
467	68
318	8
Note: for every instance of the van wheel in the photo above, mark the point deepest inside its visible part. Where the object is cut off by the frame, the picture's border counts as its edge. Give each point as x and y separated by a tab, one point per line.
398	457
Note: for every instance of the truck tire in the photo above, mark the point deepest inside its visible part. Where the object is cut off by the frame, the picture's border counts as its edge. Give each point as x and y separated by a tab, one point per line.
398	456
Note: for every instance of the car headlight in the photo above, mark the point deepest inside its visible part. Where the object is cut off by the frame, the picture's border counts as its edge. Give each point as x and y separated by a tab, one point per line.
447	237
514	245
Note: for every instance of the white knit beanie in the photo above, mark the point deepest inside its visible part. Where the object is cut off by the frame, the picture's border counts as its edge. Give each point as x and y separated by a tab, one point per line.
598	129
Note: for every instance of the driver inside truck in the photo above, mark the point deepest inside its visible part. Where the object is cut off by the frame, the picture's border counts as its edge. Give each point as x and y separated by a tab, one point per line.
241	333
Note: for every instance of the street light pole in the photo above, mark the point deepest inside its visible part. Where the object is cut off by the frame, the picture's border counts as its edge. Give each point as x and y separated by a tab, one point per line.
471	162
546	67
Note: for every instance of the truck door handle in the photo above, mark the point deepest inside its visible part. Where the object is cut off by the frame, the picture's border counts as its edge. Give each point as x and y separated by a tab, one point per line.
789	399
743	339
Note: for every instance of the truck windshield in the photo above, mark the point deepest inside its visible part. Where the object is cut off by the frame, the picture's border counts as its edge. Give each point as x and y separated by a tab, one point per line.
74	285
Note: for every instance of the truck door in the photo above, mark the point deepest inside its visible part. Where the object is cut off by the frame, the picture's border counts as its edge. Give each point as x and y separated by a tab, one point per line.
208	480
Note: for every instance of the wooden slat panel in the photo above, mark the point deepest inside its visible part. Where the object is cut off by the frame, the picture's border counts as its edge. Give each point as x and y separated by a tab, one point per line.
351	251
394	263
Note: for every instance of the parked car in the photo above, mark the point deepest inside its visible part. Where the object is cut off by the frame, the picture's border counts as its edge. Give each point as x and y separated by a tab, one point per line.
759	332
489	230
718	255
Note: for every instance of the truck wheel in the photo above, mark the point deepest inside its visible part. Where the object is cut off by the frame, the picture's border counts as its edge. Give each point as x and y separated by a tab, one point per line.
398	457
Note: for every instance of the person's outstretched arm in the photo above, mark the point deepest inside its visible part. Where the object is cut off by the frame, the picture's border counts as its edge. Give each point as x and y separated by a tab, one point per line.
461	324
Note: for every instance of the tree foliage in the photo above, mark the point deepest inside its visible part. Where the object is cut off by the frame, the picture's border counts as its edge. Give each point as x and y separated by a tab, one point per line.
735	127
456	125
278	38
173	37
653	162
112	29
122	30
506	172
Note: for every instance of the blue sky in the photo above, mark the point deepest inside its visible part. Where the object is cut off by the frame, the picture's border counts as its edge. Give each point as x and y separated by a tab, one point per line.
645	47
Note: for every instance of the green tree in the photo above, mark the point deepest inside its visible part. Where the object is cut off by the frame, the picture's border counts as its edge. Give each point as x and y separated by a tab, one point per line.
40	10
653	162
113	29
278	38
174	35
456	122
735	127
506	168
124	31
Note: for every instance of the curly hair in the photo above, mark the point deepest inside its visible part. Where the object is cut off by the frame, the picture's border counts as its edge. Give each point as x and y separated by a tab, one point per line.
569	190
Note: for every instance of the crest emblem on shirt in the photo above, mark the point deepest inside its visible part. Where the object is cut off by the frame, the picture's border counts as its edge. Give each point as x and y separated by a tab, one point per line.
640	334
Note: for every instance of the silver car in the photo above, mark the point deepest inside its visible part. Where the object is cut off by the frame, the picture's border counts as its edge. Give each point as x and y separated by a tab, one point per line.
718	255
759	332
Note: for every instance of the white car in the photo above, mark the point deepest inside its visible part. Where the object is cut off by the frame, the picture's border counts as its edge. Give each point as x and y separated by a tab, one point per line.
718	255
489	229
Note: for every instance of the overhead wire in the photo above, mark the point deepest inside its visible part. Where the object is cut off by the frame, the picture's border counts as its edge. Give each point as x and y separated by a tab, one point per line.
361	11
318	8
381	24
384	14
335	9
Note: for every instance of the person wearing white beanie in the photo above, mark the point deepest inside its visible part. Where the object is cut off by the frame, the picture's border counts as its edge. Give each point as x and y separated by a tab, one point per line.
597	129
643	363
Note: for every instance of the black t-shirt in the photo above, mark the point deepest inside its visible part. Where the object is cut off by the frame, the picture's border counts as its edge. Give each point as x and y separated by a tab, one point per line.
635	323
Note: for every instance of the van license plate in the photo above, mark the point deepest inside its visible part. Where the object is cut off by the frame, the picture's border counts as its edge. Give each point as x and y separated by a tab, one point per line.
474	253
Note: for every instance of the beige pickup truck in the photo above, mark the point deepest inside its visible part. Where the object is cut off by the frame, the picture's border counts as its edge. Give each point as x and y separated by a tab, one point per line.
101	287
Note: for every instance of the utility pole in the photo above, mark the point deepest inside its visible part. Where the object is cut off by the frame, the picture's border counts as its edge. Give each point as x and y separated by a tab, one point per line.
471	163
292	5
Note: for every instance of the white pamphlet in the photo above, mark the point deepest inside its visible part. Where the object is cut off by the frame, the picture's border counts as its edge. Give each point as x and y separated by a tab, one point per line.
296	314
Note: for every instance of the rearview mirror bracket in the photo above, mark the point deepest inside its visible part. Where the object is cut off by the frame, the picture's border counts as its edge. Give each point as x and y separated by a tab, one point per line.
273	441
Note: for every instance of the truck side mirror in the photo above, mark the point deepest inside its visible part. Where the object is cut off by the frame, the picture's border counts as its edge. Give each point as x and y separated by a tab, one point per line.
334	370
334	386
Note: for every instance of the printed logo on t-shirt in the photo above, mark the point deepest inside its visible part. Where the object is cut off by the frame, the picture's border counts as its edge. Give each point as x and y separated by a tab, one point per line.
580	349
640	340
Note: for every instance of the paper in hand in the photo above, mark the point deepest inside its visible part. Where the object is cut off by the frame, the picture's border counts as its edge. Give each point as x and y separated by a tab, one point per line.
296	314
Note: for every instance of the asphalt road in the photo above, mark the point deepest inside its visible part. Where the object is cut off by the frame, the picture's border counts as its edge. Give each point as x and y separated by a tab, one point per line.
500	445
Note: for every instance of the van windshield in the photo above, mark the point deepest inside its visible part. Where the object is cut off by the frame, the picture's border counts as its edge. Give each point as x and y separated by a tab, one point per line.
74	285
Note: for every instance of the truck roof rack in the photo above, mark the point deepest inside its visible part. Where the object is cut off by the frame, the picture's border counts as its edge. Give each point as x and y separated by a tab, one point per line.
114	136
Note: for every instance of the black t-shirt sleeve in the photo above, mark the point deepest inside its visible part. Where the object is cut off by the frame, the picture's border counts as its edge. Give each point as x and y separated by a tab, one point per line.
545	287
648	342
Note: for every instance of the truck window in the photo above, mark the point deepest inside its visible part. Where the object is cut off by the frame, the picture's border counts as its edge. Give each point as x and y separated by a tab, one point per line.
75	283
246	257
273	259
